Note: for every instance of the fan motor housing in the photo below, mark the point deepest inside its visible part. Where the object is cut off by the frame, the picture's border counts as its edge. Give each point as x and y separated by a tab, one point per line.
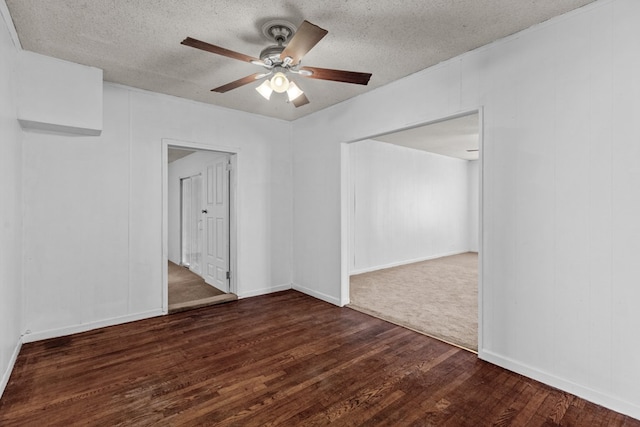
278	30
271	54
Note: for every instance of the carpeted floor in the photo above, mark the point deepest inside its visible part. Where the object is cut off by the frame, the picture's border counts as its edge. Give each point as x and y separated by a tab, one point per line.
187	290
438	297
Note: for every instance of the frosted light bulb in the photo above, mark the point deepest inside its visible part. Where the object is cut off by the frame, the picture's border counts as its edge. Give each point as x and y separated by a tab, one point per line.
279	83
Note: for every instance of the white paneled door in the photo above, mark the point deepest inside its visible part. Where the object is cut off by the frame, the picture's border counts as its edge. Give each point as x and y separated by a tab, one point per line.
216	224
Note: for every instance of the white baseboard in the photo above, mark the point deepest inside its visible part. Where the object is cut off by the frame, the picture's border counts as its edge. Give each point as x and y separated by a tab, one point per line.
405	262
74	329
7	373
595	396
316	294
264	291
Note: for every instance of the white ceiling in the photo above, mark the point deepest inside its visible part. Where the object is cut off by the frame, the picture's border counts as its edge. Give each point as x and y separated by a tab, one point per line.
174	154
137	43
451	138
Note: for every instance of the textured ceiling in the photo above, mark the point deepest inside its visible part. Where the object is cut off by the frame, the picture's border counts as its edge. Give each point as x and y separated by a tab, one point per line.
137	43
449	138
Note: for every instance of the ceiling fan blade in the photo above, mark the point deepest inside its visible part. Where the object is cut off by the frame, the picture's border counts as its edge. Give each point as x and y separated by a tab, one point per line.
217	50
300	101
338	75
237	83
307	36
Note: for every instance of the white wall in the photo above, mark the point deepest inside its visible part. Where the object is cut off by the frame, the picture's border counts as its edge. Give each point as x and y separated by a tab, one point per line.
10	207
187	166
407	205
473	187
93	209
560	234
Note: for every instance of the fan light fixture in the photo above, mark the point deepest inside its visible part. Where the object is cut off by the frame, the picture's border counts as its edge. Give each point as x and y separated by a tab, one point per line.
279	83
294	91
282	59
265	89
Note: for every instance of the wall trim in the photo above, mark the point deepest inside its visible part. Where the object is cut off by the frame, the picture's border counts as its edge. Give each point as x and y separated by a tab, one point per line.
68	330
318	295
12	362
592	395
56	129
4	11
399	263
201	146
264	291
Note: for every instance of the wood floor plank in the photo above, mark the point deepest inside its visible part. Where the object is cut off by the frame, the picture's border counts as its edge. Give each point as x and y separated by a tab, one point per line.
279	359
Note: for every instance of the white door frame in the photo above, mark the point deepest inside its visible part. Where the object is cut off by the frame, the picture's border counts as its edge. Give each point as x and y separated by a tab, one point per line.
346	245
234	157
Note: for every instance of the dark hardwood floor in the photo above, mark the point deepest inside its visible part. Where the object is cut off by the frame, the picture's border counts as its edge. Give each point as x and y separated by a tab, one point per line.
280	359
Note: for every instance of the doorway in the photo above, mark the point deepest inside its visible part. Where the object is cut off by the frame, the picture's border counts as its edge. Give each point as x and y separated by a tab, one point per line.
411	206
199	226
190	223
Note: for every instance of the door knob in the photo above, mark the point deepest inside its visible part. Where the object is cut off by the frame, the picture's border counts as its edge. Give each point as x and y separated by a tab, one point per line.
205	211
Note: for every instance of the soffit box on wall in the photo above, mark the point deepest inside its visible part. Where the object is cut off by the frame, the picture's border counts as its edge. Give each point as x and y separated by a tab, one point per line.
58	96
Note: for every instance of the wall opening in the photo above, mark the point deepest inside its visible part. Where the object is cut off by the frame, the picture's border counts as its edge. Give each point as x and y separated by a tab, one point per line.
410	207
199	225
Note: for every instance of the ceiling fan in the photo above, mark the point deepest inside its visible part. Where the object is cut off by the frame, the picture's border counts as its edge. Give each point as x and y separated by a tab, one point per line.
283	59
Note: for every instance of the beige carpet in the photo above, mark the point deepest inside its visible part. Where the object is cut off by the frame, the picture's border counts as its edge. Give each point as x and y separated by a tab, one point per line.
438	297
187	290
